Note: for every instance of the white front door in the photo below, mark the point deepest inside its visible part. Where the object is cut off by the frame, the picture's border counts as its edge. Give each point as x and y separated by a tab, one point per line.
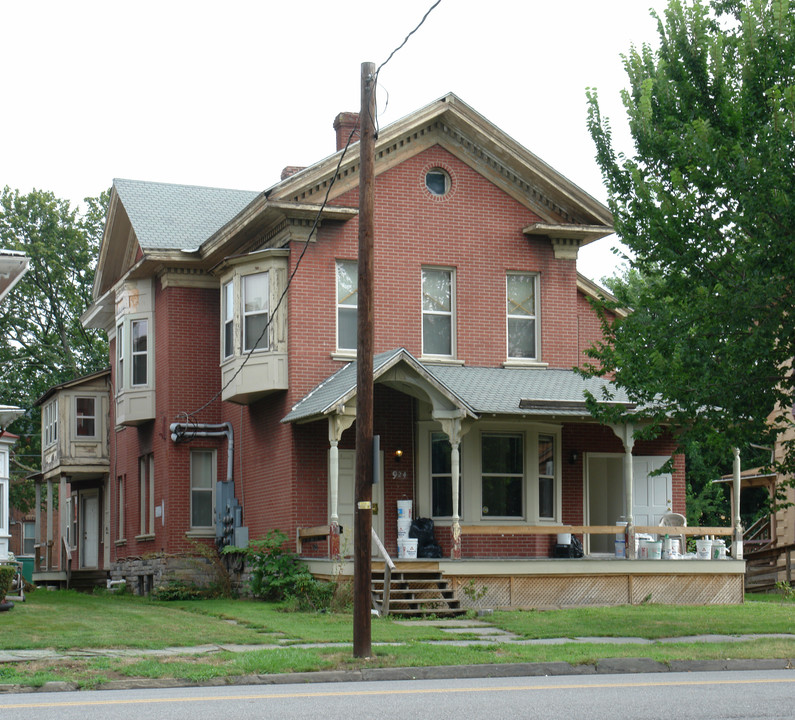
347	484
89	530
651	494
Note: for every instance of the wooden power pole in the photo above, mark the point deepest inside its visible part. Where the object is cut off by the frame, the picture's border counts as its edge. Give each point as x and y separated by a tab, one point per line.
363	512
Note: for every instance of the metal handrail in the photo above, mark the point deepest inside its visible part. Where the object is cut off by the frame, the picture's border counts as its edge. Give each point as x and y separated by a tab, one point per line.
389	566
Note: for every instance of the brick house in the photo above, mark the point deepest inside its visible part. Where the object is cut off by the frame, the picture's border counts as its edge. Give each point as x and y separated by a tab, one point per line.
232	327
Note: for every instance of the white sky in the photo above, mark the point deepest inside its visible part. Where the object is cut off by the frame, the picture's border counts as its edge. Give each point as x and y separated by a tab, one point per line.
228	93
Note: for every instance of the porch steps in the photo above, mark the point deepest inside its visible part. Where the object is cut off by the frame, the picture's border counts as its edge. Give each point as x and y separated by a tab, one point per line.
416	593
87	580
766	566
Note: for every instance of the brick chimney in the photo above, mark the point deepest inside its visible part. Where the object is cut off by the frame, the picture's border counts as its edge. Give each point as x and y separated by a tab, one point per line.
343	124
291	170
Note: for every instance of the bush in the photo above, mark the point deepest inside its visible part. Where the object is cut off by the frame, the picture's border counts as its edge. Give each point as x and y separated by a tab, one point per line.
277	574
180	590
7	573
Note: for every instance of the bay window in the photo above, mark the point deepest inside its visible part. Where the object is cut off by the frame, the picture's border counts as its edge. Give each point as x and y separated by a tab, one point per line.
85	417
256	311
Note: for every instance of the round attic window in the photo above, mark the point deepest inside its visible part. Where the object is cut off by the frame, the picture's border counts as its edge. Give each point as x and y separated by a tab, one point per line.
437	181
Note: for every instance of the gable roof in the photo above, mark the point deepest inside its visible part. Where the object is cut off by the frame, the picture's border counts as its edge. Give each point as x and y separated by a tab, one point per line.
475	390
13	265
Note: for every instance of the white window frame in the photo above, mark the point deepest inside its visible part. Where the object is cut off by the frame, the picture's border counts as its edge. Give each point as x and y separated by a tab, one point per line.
521	476
136	355
546	474
533	318
121	501
228	319
438	434
50	423
346	307
451	313
92	417
146	495
120	357
245	315
28	537
204	490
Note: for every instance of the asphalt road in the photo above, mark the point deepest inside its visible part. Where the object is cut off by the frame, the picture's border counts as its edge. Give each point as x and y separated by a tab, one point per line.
695	696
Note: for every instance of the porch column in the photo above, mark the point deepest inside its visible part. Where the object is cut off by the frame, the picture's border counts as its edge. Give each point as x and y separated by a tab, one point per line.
37	526
737	545
49	524
337	424
626	433
62	522
454	426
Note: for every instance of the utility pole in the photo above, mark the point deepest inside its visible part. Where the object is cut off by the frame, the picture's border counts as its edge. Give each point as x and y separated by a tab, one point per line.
363	505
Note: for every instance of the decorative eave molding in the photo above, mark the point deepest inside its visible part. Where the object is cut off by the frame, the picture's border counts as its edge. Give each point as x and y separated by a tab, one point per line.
186	277
568	238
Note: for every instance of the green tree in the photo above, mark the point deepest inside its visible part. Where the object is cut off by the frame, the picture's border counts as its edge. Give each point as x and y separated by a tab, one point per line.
42	342
706	206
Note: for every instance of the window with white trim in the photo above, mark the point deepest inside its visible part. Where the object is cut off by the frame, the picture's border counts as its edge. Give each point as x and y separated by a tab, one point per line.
522	316
502	475
146	494
438	326
256	311
347	304
546	477
228	310
202	489
120	357
139	337
28	538
121	502
85	417
49	423
442	478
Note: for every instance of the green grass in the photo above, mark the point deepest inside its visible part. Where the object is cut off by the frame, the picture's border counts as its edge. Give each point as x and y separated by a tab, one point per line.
65	620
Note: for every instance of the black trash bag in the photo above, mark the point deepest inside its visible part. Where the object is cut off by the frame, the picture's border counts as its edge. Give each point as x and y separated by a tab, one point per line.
576	547
422	530
432	550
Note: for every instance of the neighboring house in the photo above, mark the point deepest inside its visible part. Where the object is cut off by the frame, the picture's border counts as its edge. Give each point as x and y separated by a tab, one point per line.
233	343
13	265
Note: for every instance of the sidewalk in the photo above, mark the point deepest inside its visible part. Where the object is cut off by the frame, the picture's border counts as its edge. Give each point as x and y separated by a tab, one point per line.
484	632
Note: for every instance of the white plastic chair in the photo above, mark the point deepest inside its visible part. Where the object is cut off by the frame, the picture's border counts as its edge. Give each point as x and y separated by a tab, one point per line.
672	519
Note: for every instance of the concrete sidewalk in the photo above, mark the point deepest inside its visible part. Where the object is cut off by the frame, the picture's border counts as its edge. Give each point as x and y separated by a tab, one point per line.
477	632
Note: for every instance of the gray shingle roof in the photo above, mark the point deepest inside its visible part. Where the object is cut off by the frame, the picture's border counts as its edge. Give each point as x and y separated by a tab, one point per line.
480	390
178	217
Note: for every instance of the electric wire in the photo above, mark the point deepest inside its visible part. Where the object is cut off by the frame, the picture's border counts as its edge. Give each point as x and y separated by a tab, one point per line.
189	415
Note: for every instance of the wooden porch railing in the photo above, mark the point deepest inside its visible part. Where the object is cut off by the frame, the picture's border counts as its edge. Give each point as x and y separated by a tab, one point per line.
590	530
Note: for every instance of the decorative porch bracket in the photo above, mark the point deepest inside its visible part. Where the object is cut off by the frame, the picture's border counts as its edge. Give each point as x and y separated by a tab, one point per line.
626	433
455	424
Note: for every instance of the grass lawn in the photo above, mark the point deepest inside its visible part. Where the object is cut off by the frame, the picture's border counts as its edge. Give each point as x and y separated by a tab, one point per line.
67	620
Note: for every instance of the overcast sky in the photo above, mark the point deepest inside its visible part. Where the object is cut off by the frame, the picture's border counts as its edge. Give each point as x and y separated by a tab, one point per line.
228	93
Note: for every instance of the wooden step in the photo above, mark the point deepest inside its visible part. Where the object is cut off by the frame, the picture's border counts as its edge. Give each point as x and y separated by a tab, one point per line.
416	592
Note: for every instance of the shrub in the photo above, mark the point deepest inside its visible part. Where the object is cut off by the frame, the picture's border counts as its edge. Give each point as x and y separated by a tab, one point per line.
180	590
7	573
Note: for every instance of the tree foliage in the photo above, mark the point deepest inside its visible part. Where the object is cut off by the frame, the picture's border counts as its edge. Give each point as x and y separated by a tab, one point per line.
706	206
42	342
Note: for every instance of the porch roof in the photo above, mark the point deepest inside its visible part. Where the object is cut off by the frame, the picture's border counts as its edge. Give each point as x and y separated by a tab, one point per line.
476	390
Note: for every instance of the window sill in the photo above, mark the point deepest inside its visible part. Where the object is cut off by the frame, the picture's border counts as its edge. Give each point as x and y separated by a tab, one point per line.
120	543
436	360
344	355
209	533
144	538
517	363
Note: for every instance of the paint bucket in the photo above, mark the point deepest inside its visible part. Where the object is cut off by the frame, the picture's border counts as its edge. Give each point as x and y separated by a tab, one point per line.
564	538
404	509
410	548
621	548
401	548
403	527
703	549
718	550
654	549
671	549
643	548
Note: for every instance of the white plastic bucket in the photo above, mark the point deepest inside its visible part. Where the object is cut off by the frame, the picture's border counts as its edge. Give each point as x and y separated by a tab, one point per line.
404	509
703	549
564	538
718	550
410	548
403	527
643	548
671	549
654	549
621	548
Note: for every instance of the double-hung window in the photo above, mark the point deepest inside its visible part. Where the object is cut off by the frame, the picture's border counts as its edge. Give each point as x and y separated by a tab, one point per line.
85	417
256	311
546	477
202	489
139	331
228	300
502	475
146	493
442	477
50	423
28	538
347	304
120	357
438	327
522	316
